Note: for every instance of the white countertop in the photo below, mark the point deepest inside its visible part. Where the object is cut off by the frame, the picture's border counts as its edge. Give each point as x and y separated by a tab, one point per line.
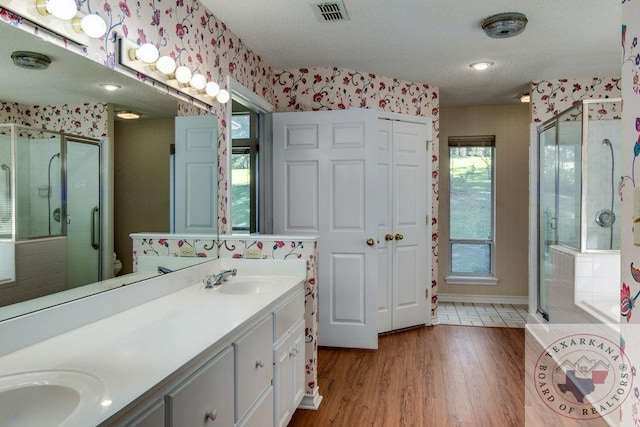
136	349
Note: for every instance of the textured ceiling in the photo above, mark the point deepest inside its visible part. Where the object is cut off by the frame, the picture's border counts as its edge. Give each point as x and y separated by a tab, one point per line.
434	41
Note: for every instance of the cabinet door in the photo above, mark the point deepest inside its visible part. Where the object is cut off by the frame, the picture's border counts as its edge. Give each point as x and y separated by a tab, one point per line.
282	381
254	366
205	398
153	417
298	360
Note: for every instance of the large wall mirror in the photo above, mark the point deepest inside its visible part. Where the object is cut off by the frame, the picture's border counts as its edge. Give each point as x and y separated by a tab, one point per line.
138	151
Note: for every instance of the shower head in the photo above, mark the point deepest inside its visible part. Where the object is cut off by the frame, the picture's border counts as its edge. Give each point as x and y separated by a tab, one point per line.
606	142
5	167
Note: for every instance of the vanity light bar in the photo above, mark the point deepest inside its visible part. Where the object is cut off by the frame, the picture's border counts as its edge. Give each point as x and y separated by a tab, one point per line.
146	60
56	16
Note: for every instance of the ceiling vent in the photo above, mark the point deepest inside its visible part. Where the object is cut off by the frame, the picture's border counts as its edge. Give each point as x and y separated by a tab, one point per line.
504	25
333	11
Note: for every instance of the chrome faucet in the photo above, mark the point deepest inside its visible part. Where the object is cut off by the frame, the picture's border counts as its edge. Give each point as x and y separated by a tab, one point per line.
217	279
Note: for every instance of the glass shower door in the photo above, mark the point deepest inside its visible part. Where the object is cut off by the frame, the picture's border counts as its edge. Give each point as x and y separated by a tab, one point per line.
83	211
548	212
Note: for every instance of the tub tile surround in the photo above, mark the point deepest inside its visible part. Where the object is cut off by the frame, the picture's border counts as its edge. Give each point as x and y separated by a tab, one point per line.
132	325
583	287
290	248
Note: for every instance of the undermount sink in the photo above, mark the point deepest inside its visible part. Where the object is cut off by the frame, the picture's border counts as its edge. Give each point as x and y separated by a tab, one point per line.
248	285
47	397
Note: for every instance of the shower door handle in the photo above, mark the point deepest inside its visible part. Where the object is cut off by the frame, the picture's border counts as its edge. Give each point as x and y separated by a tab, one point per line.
553	223
94	241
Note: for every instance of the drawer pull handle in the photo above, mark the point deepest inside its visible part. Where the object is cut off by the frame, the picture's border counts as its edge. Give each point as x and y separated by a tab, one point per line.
259	364
211	416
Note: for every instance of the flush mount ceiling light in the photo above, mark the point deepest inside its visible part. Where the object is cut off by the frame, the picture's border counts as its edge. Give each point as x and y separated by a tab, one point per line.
525	97
504	25
480	66
30	60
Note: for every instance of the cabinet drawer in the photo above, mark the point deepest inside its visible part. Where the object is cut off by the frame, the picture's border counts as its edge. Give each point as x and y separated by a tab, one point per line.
254	365
208	391
287	315
261	413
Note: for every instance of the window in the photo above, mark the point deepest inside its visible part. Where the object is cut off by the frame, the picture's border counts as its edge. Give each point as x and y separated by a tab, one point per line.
244	160
471	206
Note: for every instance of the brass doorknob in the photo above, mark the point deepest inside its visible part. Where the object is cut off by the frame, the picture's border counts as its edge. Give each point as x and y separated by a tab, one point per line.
388	237
371	242
399	236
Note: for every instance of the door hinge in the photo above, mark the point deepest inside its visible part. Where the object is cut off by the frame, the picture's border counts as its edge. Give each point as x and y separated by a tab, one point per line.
426	293
426	220
427	145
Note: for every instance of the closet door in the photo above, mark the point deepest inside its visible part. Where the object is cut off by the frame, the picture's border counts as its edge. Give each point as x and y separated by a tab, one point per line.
324	180
411	259
404	262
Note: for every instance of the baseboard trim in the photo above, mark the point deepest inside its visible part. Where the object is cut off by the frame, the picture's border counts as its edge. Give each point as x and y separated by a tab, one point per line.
483	299
311	401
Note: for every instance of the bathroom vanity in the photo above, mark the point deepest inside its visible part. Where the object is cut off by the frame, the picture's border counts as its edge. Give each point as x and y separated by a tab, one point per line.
229	356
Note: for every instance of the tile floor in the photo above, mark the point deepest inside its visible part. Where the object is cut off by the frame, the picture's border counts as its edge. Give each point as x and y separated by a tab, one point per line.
479	314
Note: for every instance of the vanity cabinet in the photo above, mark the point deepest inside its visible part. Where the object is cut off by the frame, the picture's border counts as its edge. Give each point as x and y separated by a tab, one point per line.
205	398
289	359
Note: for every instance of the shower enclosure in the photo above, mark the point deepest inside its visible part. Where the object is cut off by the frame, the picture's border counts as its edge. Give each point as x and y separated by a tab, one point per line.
578	206
50	207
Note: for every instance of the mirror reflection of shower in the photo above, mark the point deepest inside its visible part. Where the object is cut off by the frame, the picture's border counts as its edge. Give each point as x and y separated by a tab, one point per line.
605	217
49	192
5	214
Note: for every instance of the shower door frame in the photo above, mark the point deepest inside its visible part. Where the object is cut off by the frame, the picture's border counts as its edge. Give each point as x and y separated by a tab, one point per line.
97	143
584	139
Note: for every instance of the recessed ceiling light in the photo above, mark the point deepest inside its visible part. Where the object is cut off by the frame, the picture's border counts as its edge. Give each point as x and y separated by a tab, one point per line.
481	65
110	87
127	115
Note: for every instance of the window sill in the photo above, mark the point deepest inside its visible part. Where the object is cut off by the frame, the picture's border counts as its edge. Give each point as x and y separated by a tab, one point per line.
471	280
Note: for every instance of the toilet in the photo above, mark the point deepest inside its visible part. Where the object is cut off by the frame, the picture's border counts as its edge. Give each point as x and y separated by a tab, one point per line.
117	265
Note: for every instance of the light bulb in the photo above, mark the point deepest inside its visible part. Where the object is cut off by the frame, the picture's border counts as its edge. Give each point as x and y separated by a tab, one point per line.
166	65
223	96
93	26
147	53
183	74
212	89
198	81
62	9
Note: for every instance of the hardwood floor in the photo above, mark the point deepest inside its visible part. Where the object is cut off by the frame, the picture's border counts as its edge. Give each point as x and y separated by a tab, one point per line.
431	376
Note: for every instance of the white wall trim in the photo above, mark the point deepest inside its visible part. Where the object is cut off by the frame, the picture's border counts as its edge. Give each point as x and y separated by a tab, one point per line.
484	299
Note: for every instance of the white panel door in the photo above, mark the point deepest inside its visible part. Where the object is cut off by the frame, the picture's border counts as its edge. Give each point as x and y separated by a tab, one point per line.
385	225
324	177
411	259
196	174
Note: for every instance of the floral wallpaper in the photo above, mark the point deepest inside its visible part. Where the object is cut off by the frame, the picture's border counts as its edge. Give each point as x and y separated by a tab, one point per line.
314	89
194	37
629	251
551	97
90	120
270	249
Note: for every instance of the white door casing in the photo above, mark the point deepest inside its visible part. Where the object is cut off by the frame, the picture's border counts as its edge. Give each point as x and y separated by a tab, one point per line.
324	180
196	174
